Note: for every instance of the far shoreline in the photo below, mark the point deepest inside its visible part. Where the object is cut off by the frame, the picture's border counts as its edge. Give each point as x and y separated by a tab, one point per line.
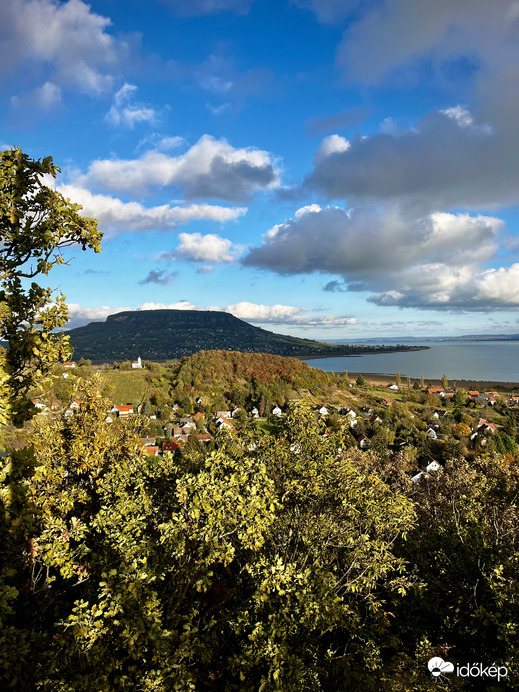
377	379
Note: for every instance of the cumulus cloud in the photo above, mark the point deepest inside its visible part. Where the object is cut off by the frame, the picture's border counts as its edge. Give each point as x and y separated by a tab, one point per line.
368	242
209	169
448	160
193	8
126	112
196	247
250	312
286	314
397	32
161	277
67	38
436	261
463	155
115	216
438	287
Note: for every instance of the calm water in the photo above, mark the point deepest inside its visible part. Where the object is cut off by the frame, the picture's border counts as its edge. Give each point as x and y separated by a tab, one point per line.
469	360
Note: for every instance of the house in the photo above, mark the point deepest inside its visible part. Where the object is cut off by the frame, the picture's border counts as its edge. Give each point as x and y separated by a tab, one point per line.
386	402
235	412
204	437
473	395
39	405
172	446
75	405
223	414
323	411
418	475
254	413
484	426
435	390
152	450
225	423
364	442
147	441
431	432
124	411
394	387
276	411
432	466
109	418
137	364
374	419
513	400
69	364
199	416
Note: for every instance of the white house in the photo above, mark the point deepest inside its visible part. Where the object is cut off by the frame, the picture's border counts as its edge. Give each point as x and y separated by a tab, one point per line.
323	411
276	411
137	364
432	466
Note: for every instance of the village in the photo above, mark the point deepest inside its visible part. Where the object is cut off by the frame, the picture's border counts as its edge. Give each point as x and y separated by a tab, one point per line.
417	428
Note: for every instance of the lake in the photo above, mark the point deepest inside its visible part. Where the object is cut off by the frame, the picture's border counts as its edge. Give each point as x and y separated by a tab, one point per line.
462	360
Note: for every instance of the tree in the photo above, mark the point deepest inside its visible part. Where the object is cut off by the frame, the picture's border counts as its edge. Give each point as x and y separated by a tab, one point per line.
398	379
361	382
36	224
445	381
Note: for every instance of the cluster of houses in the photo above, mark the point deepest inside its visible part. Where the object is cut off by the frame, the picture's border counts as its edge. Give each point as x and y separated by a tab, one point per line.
481	398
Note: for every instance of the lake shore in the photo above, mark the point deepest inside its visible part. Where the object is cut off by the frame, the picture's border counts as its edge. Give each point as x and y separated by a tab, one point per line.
377	379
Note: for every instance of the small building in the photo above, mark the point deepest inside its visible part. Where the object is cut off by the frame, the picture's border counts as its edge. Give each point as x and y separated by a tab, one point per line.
152	450
254	413
137	364
69	364
124	411
172	446
364	442
431	467
323	411
276	411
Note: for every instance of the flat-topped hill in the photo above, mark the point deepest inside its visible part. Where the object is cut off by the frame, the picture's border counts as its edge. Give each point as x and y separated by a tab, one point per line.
165	334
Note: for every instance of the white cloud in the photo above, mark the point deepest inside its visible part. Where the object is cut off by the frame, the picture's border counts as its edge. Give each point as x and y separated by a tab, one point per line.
436	261
400	32
333	144
31	104
249	312
438	287
125	112
68	39
196	247
286	314
368	242
209	169
448	160
115	216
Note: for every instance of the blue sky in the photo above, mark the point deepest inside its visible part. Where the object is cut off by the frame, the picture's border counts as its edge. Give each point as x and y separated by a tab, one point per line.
322	168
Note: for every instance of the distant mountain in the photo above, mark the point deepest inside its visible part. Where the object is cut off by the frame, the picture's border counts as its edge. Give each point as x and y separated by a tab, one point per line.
166	334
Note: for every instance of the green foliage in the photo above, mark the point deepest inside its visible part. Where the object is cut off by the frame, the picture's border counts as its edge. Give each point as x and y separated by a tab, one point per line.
361	382
36	223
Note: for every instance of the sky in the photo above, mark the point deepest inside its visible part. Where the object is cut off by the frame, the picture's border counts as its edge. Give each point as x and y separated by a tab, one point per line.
332	169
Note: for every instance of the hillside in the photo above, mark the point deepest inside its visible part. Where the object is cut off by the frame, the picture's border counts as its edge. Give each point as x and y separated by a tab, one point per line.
165	334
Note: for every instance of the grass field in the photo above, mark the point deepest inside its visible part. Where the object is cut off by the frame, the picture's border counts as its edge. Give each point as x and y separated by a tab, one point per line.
126	386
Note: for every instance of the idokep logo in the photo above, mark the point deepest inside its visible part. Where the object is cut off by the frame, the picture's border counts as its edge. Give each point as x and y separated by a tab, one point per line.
438	667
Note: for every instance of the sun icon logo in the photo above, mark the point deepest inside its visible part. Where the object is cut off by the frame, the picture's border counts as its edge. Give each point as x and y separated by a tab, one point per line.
438	666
